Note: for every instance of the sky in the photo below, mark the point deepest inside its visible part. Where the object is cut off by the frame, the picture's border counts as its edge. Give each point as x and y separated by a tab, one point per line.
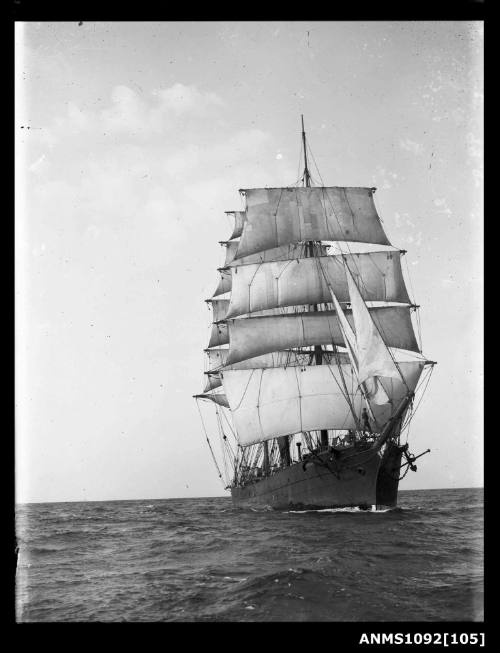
132	140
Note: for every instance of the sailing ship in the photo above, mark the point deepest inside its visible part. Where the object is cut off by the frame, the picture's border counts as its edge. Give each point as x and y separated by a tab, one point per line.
313	365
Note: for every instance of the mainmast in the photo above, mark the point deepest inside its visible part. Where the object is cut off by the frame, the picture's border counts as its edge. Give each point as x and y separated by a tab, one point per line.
318	351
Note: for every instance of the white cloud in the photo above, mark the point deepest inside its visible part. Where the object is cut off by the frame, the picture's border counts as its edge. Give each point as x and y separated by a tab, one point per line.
442	204
129	114
232	154
411	146
182	99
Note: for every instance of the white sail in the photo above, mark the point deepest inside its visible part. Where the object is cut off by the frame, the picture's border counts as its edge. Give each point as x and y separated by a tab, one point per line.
282	253
217	398
219	308
277	216
219	335
224	284
253	336
374	359
301	281
212	381
268	403
231	247
218	359
372	389
239	218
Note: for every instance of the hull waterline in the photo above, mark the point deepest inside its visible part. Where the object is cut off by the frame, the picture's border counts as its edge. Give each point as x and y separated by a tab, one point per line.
350	478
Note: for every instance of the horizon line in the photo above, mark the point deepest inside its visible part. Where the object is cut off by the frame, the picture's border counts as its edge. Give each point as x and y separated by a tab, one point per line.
213	496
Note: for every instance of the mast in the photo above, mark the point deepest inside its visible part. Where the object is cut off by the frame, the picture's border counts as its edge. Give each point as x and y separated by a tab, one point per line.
265	464
318	351
306	176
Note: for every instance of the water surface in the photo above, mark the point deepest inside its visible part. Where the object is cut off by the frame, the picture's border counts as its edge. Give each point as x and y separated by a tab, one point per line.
203	560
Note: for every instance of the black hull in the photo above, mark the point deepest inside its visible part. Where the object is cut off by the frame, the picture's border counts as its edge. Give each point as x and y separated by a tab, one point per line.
350	478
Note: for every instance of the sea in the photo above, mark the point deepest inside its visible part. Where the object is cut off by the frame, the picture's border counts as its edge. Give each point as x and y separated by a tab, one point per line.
202	560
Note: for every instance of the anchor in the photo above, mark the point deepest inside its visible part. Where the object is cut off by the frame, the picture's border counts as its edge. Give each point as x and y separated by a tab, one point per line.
410	459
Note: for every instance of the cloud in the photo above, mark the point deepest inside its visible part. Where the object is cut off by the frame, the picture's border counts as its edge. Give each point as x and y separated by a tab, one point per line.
233	153
411	146
442	204
181	99
127	113
385	177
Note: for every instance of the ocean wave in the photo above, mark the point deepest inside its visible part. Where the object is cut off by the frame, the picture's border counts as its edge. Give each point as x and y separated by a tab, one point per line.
184	560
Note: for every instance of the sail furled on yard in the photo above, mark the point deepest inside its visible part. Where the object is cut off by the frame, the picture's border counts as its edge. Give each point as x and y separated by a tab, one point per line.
268	403
277	216
300	281
253	336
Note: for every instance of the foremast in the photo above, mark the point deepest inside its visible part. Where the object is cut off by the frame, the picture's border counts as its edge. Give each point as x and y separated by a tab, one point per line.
318	350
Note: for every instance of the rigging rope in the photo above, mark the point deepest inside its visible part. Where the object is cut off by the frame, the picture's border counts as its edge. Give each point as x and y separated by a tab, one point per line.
208	441
414	301
360	278
421	398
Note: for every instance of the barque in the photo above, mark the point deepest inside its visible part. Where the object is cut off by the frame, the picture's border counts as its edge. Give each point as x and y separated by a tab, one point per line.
313	364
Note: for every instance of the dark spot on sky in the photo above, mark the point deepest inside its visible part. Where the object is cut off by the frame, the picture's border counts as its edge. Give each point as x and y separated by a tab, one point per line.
80	23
